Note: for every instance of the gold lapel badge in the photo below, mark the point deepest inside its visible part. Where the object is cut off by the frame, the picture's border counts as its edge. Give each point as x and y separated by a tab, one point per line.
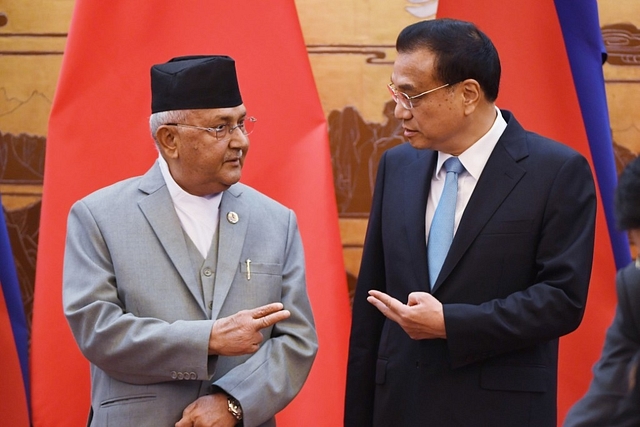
232	217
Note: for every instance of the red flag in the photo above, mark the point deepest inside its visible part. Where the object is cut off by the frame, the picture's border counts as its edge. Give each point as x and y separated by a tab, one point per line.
98	134
13	398
538	86
14	405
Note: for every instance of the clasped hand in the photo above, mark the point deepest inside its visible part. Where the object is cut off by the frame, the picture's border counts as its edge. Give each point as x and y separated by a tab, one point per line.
421	317
207	411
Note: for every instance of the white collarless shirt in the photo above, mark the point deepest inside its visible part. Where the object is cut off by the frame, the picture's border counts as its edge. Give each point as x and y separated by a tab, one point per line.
198	215
474	159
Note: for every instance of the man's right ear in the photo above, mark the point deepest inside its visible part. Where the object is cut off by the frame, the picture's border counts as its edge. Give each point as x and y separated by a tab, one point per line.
167	137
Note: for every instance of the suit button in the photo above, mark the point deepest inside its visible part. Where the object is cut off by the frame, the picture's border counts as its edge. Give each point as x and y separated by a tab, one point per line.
180	376
207	272
193	376
174	375
210	305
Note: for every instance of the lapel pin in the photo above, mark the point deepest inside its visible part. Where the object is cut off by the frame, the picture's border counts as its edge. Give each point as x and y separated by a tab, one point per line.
232	217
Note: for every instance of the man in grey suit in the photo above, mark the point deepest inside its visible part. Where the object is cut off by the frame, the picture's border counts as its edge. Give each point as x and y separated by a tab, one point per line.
184	288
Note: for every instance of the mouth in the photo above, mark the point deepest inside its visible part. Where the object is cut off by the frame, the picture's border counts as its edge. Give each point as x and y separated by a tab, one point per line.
237	158
234	160
408	133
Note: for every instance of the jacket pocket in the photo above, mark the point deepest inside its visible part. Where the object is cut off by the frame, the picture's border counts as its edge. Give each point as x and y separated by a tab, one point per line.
124	400
260	268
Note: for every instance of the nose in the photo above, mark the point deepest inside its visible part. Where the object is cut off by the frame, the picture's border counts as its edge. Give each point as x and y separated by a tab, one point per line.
401	113
237	139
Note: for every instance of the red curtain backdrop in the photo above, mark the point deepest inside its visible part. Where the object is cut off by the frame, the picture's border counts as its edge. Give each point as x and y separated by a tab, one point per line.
538	86
98	134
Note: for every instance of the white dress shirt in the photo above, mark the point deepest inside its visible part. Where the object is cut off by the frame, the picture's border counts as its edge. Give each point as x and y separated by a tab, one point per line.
474	160
198	215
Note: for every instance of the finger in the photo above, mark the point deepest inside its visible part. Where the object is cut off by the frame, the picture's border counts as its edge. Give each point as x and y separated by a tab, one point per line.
272	319
384	309
377	303
185	421
266	310
387	300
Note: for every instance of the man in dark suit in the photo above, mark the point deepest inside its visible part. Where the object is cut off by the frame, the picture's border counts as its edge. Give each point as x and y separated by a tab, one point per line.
475	344
611	391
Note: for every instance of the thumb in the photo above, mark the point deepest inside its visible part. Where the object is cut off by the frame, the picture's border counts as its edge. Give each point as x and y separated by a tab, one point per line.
415	298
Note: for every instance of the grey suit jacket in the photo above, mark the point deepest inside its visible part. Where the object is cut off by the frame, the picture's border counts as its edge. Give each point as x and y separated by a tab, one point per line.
610	383
136	308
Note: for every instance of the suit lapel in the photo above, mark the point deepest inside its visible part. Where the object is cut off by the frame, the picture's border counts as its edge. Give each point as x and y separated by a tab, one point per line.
499	177
231	241
416	185
157	207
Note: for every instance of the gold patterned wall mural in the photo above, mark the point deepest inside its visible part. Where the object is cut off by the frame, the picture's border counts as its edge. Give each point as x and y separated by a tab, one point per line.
351	49
620	23
32	39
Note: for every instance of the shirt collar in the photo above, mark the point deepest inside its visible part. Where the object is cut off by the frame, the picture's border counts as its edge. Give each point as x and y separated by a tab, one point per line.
476	156
178	195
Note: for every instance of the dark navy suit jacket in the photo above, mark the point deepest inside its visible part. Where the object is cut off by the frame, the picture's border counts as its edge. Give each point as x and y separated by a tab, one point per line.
514	281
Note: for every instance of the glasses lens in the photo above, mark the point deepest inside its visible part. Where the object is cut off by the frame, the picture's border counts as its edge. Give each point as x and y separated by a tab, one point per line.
399	97
248	125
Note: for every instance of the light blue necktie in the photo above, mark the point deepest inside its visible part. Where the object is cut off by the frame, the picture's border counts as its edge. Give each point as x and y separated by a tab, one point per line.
441	232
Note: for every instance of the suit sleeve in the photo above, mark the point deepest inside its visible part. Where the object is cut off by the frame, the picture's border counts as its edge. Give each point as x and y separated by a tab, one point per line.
367	321
609	385
553	302
268	380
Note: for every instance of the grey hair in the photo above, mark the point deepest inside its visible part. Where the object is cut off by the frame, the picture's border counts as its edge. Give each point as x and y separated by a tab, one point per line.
163	117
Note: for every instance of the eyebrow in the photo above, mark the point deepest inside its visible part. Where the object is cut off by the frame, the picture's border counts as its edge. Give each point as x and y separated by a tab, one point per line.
404	87
229	117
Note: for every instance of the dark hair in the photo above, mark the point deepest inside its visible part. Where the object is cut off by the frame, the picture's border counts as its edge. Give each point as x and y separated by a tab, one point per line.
627	197
461	51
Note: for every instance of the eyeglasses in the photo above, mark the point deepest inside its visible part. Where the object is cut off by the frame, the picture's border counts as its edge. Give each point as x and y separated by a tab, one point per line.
405	100
222	132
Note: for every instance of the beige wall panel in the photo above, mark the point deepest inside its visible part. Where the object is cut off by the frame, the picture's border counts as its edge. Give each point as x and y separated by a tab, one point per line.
26	92
42	16
613	11
624	110
351	48
357	21
348	80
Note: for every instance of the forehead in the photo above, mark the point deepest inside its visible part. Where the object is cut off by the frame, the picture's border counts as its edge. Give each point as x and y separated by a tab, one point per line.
221	114
413	70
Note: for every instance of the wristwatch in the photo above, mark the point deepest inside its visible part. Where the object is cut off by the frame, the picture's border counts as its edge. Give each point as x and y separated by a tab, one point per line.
234	407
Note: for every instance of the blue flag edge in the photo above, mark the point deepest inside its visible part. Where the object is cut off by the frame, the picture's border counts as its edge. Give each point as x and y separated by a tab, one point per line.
580	27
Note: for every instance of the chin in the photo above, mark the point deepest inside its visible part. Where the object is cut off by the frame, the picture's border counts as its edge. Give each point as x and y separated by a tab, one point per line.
420	144
229	182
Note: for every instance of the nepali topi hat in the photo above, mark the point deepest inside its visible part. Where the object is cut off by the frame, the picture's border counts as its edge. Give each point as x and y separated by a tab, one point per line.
194	82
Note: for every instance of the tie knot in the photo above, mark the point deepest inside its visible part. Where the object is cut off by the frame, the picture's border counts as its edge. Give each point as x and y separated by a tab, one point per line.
452	164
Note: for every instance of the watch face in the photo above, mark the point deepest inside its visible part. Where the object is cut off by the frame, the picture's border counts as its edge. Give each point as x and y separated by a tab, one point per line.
234	408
